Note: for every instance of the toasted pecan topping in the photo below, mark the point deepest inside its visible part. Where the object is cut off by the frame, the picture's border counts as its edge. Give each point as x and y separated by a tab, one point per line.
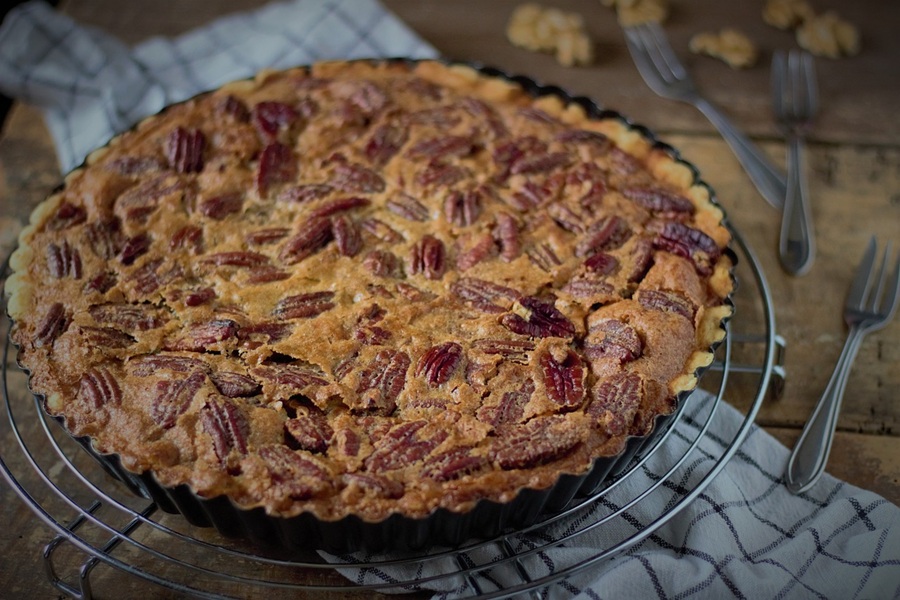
370	289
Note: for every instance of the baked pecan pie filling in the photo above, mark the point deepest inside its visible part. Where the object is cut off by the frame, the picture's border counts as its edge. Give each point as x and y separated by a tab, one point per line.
369	288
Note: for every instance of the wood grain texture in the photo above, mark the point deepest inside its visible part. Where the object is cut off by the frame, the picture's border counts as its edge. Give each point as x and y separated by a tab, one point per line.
854	166
853	90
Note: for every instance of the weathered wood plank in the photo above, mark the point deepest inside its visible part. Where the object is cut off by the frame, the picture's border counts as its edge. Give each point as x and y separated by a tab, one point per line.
870	461
856	92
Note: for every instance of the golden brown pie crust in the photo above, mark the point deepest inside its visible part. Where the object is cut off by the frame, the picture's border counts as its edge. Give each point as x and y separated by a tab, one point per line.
369	288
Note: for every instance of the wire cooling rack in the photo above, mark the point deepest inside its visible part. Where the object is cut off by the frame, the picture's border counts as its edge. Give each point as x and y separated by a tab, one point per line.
107	540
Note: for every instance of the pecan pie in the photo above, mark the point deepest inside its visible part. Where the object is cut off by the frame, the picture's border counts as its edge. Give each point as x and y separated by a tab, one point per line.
368	288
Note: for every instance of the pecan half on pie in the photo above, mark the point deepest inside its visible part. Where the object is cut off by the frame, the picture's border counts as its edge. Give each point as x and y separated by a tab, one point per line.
367	288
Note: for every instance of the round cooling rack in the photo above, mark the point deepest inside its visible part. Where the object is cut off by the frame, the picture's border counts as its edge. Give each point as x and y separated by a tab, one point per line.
109	542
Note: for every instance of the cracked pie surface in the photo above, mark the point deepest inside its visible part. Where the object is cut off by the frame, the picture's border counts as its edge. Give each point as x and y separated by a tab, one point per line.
367	288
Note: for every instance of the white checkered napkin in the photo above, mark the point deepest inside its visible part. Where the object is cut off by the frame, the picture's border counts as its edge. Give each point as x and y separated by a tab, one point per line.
745	536
91	86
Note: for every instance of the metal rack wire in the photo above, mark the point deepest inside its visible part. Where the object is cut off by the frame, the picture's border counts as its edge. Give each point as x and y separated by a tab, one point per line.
99	522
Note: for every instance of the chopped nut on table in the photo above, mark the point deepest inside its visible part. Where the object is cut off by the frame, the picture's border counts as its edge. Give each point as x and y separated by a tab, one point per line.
823	35
786	14
636	12
534	27
574	49
522	28
729	45
828	35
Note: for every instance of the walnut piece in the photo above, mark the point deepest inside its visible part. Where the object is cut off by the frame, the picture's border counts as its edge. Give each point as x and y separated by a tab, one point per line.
729	45
534	27
786	14
824	35
637	12
828	35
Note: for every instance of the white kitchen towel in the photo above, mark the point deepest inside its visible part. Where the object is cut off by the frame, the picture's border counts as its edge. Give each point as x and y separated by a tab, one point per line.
91	86
744	536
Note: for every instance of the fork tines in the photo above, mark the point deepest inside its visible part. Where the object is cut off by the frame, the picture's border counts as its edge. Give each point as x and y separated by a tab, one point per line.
873	296
654	42
795	92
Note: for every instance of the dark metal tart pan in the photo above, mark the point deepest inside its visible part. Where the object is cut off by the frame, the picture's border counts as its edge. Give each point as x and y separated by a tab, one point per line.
442	527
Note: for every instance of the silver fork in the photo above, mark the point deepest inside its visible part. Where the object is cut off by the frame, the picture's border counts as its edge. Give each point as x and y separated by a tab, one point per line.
795	101
663	72
870	305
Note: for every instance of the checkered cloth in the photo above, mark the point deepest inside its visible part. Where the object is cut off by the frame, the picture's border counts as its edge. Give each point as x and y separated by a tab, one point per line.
745	536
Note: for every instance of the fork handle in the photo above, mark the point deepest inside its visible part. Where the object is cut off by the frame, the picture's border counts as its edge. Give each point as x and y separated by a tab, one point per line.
796	243
767	179
810	454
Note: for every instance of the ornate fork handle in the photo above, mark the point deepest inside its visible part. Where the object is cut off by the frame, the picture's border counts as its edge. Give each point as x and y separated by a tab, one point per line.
810	454
796	243
767	179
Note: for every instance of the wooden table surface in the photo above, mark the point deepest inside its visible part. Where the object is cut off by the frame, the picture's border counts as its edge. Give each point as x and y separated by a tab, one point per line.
854	181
